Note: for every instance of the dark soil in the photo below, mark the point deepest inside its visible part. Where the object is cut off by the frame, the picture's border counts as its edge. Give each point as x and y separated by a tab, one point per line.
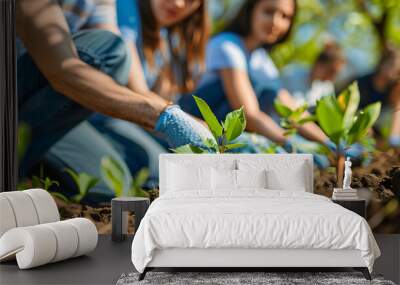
101	215
382	178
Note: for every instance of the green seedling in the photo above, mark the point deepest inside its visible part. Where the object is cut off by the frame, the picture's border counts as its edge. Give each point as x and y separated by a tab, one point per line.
343	124
84	183
138	181
224	133
116	175
292	119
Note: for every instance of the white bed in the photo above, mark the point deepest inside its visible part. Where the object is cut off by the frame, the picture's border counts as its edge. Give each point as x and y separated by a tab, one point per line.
198	223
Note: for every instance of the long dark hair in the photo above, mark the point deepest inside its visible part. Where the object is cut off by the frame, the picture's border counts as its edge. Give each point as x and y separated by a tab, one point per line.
192	35
241	24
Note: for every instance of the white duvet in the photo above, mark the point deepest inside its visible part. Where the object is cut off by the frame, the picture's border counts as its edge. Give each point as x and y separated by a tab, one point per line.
253	218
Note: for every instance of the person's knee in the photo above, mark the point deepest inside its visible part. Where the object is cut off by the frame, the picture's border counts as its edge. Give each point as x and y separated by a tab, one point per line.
105	51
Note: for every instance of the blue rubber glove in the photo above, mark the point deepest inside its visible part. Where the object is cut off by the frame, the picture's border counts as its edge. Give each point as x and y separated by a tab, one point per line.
179	128
394	141
301	145
330	145
254	143
353	151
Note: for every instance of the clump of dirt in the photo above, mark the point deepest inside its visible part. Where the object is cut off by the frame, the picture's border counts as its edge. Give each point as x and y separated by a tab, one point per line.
382	178
99	215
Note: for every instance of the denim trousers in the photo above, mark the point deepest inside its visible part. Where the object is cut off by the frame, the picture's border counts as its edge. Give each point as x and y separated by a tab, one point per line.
58	131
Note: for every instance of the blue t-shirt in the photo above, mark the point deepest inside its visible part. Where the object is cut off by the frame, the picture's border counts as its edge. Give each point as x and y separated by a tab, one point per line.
227	51
129	22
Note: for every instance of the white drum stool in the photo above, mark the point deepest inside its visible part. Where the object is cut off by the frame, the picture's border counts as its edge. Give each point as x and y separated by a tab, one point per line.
31	231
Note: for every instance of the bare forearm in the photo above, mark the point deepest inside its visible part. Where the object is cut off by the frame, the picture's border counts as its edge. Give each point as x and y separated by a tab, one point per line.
395	130
313	132
262	124
99	92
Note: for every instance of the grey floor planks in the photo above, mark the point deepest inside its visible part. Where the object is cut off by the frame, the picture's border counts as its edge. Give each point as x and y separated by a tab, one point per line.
111	259
103	266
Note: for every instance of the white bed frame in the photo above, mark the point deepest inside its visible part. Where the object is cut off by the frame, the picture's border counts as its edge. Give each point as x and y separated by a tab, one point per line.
246	257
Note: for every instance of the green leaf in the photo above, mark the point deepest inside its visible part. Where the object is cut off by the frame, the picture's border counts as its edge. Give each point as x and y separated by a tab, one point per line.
364	121
188	148
73	174
138	192
60	196
113	174
329	116
182	149
234	145
307	120
196	149
234	125
285	123
36	182
348	102
141	177
212	144
282	110
296	114
83	181
209	117
289	132
47	183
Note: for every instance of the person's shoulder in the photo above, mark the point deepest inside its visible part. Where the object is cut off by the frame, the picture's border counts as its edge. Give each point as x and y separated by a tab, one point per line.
226	37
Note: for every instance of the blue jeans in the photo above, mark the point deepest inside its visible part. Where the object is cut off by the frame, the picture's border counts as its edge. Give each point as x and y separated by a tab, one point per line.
51	115
138	147
215	97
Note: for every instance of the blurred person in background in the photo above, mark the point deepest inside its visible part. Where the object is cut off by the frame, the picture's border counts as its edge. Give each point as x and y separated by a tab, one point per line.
383	85
236	75
71	63
308	85
167	41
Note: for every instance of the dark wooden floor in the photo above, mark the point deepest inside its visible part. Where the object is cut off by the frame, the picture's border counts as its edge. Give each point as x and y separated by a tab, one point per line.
103	266
110	260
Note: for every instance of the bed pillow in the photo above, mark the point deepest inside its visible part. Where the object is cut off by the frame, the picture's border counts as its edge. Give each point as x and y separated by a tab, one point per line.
251	178
183	177
293	180
223	179
282	174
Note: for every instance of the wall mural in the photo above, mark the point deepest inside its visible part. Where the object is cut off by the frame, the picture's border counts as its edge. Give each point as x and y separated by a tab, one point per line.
333	50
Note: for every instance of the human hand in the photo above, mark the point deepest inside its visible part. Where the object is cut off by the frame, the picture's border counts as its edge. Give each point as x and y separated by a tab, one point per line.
179	128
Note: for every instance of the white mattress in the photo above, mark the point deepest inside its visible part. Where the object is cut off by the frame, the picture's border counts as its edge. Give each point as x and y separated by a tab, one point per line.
253	218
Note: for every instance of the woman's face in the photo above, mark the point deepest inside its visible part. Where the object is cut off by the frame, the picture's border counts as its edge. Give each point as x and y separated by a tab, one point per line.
271	20
170	12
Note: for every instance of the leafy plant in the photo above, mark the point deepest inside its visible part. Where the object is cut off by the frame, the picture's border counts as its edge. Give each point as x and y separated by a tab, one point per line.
84	182
223	132
140	178
343	124
119	179
116	176
43	182
292	119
